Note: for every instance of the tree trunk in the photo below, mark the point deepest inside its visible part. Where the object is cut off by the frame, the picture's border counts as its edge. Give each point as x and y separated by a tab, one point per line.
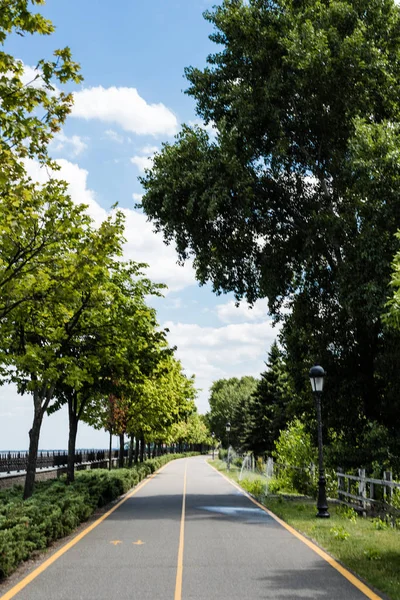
110	452
73	429
142	443
137	444
130	454
149	450
34	435
121	450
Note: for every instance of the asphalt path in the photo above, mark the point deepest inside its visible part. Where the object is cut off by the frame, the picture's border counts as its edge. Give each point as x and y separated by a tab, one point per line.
188	534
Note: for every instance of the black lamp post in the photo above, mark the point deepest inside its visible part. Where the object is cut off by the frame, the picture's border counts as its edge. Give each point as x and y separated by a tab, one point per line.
228	428
317	374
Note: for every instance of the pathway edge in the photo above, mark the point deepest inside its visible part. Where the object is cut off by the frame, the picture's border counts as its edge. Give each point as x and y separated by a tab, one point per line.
329	559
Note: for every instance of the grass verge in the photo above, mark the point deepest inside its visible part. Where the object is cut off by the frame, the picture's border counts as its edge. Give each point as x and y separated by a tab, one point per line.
56	509
368	547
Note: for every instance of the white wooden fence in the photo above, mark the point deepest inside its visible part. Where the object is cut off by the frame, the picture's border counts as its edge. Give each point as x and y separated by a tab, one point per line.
370	494
364	494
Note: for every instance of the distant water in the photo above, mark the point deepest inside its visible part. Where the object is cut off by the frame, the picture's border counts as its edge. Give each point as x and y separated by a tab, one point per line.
62	450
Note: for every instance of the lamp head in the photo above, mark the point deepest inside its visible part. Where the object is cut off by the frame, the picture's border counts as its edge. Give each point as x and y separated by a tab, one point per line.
317	375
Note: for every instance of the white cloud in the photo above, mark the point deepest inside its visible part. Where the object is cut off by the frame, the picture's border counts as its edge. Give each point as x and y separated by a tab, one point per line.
144	160
137	197
210	127
214	353
230	313
114	136
142	245
32	76
77	180
73	145
149	150
126	108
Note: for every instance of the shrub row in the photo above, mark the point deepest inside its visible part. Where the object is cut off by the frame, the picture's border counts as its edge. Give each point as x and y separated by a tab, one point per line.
56	509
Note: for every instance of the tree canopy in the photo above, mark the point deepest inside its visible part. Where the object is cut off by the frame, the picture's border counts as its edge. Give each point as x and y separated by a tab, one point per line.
296	196
75	326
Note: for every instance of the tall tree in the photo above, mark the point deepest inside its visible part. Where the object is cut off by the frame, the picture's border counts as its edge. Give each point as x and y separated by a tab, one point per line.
267	412
227	400
115	347
32	109
304	97
40	332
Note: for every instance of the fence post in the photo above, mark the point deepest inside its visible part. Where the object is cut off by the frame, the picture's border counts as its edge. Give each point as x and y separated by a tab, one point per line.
340	480
362	490
388	488
270	466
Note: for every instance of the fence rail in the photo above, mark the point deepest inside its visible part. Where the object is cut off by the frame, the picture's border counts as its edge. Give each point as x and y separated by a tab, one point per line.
364	494
18	461
370	494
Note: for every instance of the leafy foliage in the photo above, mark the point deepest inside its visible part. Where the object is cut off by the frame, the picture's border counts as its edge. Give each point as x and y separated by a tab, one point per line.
267	409
296	198
228	403
294	448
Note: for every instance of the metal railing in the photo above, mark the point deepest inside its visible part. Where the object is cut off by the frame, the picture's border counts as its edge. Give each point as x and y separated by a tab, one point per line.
18	461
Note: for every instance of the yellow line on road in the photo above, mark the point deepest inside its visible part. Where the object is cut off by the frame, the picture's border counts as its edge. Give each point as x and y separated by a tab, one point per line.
179	572
342	570
22	584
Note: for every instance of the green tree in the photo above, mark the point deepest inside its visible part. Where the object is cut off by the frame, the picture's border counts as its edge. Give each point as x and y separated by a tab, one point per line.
40	333
168	398
106	347
294	199
127	347
31	112
193	431
294	448
227	398
268	412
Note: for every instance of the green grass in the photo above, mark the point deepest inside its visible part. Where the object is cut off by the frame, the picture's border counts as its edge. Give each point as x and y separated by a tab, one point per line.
368	547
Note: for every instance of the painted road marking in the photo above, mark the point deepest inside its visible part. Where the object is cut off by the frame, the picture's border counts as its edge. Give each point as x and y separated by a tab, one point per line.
342	570
138	543
235	511
116	542
179	572
22	584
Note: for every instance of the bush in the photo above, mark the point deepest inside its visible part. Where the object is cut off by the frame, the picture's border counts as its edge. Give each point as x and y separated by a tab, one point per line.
222	454
256	487
56	509
295	451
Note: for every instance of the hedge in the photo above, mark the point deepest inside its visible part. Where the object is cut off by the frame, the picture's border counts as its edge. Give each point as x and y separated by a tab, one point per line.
56	509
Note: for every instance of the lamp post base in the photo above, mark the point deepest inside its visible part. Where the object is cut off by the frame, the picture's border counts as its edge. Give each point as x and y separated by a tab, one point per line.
322	504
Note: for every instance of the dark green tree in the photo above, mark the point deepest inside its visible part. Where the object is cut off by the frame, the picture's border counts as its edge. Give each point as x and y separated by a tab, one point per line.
295	200
227	401
268	407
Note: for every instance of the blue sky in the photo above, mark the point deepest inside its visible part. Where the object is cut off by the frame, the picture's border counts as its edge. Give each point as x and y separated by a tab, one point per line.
133	56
